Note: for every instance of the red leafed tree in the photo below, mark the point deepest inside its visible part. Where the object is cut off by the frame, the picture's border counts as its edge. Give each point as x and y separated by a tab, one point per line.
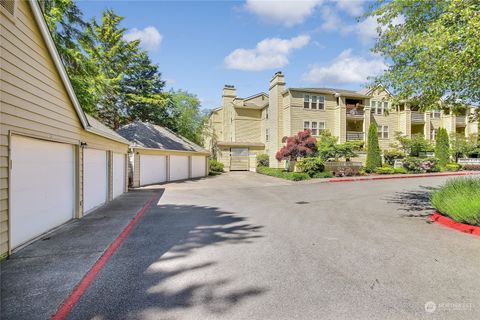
300	145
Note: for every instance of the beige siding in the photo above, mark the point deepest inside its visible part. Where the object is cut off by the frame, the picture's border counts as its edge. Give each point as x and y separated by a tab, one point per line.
299	114
247	125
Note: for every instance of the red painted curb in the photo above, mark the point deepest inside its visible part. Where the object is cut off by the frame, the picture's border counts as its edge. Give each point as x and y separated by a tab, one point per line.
66	307
466	228
400	176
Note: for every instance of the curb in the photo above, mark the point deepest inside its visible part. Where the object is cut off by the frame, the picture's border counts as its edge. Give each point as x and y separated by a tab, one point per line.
411	176
447	222
69	303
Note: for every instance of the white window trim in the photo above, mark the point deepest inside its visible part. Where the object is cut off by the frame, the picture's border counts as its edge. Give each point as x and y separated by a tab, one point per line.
384	132
310	101
321	125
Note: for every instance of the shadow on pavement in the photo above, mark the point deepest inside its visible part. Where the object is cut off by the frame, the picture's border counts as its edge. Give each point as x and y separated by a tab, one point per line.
415	203
157	268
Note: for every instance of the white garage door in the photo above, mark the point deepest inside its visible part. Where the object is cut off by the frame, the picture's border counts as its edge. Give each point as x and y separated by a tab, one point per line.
42	187
118	174
94	179
153	169
198	166
178	167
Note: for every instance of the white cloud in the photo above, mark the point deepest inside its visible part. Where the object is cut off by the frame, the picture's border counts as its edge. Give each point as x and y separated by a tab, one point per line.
149	37
285	12
269	53
346	69
351	7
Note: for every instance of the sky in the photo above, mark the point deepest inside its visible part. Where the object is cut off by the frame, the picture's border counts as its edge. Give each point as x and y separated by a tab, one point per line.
202	45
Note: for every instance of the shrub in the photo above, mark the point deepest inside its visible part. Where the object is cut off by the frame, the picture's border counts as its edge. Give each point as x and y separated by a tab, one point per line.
311	165
298	146
442	147
263	160
341	169
215	166
459	199
413	146
374	159
453	167
418	165
391	155
322	175
281	173
400	170
385	169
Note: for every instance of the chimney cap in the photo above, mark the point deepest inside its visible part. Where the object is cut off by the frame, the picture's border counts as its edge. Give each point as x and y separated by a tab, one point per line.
278	73
231	86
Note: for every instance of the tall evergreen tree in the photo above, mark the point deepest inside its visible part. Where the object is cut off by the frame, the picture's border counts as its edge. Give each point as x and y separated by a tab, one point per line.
113	55
143	96
374	158
66	24
442	147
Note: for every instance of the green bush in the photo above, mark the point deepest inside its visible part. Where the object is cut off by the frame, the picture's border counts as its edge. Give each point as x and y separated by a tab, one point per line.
391	155
385	169
322	175
400	170
311	165
412	164
215	166
281	173
442	147
374	158
263	160
459	199
453	167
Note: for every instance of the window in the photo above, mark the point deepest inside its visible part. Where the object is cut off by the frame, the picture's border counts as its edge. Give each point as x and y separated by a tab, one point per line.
382	132
314	126
314	102
379	107
266	113
306	101
267	135
435	114
321	102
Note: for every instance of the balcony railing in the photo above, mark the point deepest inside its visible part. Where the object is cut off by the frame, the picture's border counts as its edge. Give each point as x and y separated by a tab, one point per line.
418	116
355	111
460	120
354	135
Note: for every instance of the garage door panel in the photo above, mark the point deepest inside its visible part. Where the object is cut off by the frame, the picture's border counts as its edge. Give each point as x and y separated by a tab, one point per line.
42	187
118	174
198	166
178	167
95	182
153	169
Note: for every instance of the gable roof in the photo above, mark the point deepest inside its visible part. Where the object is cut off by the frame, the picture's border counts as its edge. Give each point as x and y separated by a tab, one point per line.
369	90
97	127
89	123
147	135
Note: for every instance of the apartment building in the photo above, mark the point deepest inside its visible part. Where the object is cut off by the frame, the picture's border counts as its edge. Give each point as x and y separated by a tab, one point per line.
244	127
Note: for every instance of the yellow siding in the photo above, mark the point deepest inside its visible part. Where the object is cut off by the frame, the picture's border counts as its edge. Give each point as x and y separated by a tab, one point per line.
299	114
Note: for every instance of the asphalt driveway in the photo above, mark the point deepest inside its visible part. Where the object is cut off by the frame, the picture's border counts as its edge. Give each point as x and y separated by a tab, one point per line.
246	246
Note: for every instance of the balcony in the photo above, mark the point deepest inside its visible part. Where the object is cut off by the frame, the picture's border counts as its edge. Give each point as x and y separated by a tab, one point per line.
354	111
354	135
461	121
418	117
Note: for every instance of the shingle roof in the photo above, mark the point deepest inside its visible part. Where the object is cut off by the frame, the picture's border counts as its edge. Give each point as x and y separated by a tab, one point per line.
148	135
101	129
342	92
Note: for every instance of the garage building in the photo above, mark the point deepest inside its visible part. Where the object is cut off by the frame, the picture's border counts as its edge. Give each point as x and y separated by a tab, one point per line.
56	163
159	155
